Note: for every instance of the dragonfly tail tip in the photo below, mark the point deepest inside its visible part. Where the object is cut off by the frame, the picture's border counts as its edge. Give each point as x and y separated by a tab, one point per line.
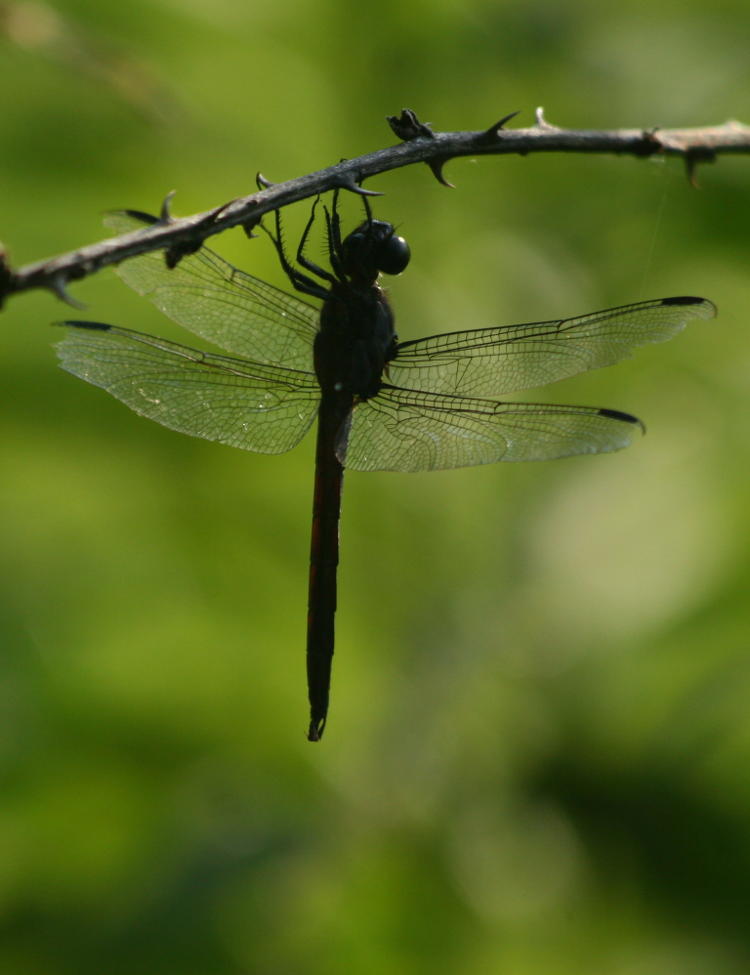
315	731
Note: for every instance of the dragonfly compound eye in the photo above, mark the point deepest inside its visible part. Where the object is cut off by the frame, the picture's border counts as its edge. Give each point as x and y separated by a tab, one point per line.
393	255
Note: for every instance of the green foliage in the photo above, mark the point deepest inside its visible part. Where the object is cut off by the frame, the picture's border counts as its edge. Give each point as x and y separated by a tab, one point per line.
537	751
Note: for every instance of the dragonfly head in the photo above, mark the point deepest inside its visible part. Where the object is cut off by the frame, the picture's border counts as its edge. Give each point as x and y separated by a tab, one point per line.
373	247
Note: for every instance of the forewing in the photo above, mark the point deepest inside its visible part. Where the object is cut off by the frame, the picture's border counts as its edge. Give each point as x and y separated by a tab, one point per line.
213	299
253	406
405	430
509	358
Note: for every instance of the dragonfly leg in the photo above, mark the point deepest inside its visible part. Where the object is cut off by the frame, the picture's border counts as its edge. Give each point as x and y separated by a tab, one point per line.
333	232
368	211
305	262
300	282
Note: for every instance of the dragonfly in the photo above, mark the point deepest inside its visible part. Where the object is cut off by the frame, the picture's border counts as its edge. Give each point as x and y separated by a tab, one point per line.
381	404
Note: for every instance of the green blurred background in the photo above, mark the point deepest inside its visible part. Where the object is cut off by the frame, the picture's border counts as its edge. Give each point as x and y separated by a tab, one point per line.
537	758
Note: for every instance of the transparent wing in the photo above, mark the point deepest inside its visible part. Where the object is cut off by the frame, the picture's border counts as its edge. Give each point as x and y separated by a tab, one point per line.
509	358
257	407
215	300
406	430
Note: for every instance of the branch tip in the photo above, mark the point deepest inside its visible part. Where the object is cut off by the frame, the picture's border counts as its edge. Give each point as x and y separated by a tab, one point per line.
261	182
407	126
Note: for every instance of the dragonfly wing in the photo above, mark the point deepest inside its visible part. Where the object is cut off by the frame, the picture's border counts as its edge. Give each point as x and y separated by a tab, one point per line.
406	430
258	407
509	358
213	299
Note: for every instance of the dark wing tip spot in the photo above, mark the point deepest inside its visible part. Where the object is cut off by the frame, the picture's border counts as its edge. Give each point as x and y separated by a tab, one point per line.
94	326
624	417
683	300
139	215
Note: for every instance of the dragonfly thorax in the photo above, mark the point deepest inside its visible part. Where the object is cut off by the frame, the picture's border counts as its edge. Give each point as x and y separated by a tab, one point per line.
356	340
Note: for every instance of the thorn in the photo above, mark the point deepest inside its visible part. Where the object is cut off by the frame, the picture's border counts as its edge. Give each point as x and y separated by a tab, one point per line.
164	215
490	135
692	158
249	226
436	165
348	182
499	125
691	164
506	118
261	182
219	211
57	285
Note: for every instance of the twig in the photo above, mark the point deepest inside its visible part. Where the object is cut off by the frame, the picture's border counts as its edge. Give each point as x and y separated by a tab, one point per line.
419	144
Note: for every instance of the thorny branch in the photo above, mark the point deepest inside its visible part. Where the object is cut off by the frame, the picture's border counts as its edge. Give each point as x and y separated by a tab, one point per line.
178	237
